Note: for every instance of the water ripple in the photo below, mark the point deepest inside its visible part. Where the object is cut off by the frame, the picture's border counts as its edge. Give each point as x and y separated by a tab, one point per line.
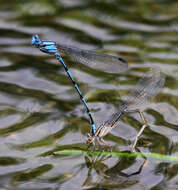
41	113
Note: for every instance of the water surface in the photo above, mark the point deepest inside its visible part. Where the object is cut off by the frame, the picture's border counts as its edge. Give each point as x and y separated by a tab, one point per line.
40	111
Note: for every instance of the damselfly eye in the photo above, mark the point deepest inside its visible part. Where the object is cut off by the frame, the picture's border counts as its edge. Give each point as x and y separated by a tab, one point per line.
89	140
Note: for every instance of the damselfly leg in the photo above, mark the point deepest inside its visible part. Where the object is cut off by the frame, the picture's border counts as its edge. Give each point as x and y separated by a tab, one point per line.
141	130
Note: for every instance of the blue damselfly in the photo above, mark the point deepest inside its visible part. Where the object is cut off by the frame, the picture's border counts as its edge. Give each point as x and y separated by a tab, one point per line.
104	62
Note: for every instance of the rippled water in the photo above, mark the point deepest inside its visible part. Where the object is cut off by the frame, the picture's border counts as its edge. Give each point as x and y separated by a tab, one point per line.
40	111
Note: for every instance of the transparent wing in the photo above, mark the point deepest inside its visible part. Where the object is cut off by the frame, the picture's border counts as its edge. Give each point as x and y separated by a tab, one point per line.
145	90
103	62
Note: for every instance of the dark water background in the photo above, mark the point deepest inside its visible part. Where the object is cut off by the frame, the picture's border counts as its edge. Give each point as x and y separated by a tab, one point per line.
40	111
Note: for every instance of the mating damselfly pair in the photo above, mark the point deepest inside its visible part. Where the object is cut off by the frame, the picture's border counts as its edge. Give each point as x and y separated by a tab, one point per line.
146	89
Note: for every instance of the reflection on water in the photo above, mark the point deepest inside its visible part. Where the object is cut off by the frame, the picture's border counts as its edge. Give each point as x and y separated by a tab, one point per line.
102	176
41	113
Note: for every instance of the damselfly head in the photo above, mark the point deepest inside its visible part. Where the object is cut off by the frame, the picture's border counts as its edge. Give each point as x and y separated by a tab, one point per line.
36	40
90	138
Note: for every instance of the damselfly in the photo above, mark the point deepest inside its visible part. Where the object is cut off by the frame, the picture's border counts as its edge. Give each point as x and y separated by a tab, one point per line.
146	89
104	62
